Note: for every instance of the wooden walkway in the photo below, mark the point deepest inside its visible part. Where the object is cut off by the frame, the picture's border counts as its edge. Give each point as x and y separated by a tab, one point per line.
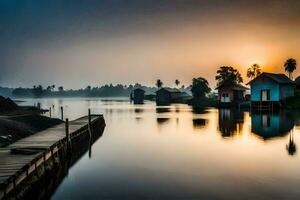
44	144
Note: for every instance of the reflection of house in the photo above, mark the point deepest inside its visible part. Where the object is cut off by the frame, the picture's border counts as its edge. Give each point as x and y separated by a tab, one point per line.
230	95
268	126
162	121
137	95
166	96
230	122
199	123
268	90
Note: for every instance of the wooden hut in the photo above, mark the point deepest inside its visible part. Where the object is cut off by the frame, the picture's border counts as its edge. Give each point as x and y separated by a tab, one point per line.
137	96
165	96
231	95
270	90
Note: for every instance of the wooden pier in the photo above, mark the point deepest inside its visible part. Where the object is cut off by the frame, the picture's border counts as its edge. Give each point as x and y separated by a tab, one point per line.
23	158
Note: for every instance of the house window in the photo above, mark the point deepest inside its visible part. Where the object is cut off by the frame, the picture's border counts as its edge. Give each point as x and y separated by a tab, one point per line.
225	97
266	121
265	95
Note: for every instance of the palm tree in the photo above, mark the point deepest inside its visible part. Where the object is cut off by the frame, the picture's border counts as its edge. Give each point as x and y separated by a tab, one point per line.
159	83
290	65
177	82
291	147
60	88
253	71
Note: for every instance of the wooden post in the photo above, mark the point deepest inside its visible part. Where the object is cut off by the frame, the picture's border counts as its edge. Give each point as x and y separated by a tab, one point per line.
90	118
14	181
39	106
50	112
62	112
67	130
90	123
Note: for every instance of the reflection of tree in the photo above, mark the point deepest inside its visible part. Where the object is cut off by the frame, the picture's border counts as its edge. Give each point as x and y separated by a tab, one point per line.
162	121
162	110
199	123
138	119
138	110
230	122
291	146
198	110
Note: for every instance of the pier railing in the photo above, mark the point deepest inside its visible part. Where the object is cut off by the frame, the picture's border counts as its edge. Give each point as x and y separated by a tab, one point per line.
42	158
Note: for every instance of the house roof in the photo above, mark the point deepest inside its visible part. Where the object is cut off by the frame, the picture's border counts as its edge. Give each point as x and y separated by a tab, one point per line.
279	78
233	87
139	89
171	90
297	81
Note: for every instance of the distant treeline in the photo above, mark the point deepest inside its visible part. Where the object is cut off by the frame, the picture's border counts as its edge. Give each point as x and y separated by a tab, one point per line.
6	92
51	91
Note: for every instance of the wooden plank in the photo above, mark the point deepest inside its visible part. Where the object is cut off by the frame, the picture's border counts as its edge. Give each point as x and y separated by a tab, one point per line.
11	164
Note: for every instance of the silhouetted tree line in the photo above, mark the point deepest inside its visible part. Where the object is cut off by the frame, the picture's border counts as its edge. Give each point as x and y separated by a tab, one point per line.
226	75
108	90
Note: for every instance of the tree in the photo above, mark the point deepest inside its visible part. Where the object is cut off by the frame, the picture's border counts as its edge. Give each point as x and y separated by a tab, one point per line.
88	88
177	82
253	71
60	88
50	88
290	65
200	87
227	75
37	90
159	83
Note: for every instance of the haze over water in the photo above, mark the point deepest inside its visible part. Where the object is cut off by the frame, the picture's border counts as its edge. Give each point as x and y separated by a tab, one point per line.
177	152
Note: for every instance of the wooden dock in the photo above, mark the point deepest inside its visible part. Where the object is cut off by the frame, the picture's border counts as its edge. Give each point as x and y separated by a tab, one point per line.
24	157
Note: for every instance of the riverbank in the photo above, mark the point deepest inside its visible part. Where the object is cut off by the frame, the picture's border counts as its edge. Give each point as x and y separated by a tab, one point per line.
18	122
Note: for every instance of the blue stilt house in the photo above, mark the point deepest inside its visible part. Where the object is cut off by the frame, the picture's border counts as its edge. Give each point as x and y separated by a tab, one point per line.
270	90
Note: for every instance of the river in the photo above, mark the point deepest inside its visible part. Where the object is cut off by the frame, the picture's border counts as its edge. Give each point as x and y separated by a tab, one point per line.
177	152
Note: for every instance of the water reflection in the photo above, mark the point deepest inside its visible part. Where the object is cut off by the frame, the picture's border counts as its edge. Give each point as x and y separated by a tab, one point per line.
189	159
162	109
162	121
269	125
52	178
138	110
291	146
199	123
197	110
230	122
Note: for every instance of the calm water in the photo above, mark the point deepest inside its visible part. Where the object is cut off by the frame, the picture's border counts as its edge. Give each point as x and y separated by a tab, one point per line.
176	152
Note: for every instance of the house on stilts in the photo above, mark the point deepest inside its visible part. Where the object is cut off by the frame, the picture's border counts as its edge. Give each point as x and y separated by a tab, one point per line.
231	95
269	91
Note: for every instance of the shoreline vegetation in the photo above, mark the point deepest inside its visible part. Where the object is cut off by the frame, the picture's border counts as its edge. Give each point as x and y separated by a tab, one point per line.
199	93
17	122
51	91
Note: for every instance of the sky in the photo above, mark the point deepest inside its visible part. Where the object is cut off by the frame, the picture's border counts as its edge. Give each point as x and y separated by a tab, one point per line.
77	43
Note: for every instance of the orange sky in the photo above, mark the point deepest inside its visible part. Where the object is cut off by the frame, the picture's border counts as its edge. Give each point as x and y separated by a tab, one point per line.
141	42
